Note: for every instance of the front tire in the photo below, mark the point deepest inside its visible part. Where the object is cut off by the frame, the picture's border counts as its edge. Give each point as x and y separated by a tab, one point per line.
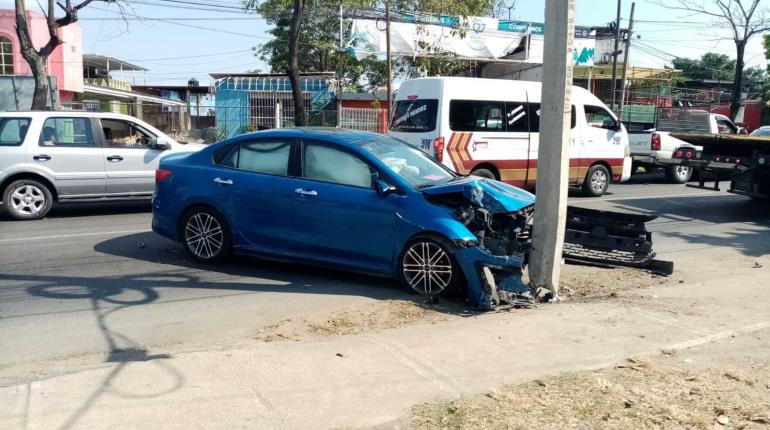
428	267
27	199
205	235
484	173
678	174
597	181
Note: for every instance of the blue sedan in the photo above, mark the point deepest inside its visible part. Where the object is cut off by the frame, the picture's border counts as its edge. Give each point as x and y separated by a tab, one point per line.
353	200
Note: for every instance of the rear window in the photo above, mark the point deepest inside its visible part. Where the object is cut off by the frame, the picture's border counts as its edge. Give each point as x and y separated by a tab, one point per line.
13	131
415	116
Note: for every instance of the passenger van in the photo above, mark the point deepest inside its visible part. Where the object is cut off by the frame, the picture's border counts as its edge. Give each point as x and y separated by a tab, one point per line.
491	128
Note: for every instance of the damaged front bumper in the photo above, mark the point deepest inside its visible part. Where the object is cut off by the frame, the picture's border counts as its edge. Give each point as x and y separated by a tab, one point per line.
493	279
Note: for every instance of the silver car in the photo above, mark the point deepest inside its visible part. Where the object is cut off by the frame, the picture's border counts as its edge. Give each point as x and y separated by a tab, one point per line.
63	156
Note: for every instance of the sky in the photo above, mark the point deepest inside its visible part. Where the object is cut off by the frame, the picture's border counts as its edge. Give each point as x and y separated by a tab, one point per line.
186	39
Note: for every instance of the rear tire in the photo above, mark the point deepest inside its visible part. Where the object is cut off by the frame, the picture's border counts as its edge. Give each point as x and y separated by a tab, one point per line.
597	181
27	199
205	235
484	173
678	174
427	266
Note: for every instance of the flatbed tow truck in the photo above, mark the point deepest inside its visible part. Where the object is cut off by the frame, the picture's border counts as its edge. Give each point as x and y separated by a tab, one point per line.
742	160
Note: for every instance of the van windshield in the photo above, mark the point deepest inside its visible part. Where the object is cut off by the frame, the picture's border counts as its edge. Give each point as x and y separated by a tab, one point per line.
415	116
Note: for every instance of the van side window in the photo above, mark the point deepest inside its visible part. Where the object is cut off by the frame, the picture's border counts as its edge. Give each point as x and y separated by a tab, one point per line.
474	115
599	117
517	116
534	118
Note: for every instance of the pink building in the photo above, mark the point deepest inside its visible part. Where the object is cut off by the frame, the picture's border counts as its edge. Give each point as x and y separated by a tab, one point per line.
65	63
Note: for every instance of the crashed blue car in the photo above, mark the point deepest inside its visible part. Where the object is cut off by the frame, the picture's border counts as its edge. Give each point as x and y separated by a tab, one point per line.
353	200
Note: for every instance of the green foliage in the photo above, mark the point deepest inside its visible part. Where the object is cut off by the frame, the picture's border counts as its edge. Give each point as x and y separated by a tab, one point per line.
710	66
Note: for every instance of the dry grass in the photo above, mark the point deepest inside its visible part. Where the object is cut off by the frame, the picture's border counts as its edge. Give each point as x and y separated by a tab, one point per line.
374	316
636	395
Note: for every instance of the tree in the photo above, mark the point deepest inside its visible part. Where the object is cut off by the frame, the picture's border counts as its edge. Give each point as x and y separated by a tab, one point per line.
745	19
710	66
38	58
319	37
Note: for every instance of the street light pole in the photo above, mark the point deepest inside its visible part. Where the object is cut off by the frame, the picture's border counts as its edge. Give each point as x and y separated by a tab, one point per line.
615	59
389	67
625	62
554	149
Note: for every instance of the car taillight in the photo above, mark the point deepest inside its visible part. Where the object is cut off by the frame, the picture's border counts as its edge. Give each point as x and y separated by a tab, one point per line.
162	174
655	142
688	154
438	148
678	154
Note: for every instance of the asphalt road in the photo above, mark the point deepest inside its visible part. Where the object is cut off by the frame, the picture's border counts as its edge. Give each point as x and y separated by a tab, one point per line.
91	282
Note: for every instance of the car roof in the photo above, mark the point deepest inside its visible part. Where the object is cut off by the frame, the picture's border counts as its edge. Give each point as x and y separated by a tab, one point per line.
347	137
70	113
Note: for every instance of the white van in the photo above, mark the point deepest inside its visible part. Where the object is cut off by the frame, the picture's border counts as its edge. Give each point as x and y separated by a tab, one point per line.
490	128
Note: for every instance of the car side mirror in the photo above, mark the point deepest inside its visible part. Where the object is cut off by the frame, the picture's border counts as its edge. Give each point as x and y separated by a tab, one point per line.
383	188
160	145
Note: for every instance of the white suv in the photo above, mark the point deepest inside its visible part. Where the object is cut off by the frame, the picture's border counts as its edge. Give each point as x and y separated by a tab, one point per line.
69	156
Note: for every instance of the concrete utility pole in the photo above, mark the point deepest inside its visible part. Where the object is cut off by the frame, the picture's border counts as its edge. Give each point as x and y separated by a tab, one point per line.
341	72
554	148
625	61
387	43
615	60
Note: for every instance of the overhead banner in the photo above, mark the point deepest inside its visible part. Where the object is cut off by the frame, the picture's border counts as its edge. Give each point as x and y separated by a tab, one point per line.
479	38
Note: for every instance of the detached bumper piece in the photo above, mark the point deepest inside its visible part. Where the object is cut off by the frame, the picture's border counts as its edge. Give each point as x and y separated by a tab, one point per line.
494	281
611	239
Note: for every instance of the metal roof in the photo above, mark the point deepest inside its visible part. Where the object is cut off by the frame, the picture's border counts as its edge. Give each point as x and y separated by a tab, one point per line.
108	63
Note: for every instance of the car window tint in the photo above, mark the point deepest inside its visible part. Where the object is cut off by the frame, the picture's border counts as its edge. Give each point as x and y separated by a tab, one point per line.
725	126
13	131
67	132
125	134
599	117
534	117
270	157
324	163
475	115
227	156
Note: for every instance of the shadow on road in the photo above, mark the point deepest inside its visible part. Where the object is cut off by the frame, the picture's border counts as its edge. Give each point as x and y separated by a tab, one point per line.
71	210
714	220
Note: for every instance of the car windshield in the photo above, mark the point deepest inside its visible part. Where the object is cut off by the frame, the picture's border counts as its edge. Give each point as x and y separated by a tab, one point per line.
761	132
408	162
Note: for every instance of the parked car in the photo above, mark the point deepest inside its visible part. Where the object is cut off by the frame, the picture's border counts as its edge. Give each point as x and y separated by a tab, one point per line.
63	156
491	128
655	148
763	131
355	200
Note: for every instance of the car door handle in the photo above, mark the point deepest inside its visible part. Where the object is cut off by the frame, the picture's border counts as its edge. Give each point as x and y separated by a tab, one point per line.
41	157
223	181
114	158
305	192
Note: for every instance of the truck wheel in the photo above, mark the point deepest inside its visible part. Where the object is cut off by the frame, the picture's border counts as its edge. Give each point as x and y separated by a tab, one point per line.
597	181
27	199
678	174
484	173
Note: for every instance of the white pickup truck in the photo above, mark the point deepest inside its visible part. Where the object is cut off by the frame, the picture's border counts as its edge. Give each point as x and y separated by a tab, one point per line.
653	149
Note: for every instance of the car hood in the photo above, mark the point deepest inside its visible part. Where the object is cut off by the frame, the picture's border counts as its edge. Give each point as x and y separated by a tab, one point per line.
494	196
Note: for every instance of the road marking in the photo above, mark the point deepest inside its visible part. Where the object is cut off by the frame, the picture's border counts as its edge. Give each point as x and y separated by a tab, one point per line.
64	236
666	196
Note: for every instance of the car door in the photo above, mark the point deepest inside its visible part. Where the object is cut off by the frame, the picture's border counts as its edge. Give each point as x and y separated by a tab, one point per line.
69	150
534	145
600	139
130	162
338	216
255	182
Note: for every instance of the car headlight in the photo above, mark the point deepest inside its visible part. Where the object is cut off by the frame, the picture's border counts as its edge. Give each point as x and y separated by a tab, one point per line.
761	160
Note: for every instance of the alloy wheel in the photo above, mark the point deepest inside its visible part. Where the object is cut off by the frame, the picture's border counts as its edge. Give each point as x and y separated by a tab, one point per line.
204	236
427	268
599	181
682	172
27	200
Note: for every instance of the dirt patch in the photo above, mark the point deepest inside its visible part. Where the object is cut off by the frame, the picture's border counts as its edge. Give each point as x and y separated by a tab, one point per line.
718	385
373	316
638	394
580	283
